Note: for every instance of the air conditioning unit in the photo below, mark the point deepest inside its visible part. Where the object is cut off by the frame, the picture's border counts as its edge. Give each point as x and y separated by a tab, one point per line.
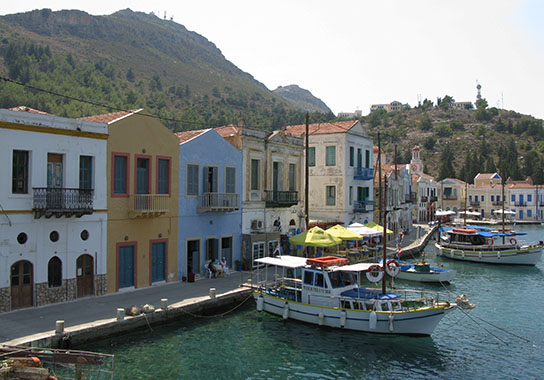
256	225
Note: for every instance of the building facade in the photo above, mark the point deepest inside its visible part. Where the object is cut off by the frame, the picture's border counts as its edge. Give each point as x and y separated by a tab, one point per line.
142	183
340	160
210	215
272	189
53	219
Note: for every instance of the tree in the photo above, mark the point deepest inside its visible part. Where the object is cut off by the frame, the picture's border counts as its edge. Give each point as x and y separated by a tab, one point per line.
425	124
130	75
446	169
429	143
446	102
443	130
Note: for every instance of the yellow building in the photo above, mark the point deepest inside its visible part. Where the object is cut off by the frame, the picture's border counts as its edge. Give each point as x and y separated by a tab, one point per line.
142	179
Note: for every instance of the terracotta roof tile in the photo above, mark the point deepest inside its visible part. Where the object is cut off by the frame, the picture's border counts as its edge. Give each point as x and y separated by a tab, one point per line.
228	130
189	135
109	117
320	128
28	109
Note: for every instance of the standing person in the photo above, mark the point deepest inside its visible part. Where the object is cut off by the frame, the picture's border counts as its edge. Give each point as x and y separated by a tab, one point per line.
224	266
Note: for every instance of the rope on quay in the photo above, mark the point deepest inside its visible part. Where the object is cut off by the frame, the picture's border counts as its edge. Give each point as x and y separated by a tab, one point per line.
489	323
218	315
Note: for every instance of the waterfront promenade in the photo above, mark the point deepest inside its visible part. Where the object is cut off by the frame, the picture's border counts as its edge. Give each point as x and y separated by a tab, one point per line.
31	324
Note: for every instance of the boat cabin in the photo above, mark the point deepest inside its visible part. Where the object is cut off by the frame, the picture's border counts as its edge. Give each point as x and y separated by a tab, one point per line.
466	236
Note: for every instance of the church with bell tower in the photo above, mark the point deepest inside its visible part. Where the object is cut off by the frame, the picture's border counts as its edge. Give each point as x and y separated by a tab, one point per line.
416	165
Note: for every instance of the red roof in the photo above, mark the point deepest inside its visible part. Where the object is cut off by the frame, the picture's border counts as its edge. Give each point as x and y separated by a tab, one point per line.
28	109
188	135
320	128
228	130
109	117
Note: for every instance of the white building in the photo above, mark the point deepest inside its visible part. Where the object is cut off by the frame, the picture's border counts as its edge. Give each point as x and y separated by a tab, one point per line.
341	172
53	216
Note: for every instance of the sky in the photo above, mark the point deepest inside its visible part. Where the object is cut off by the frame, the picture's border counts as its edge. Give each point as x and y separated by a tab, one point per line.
354	53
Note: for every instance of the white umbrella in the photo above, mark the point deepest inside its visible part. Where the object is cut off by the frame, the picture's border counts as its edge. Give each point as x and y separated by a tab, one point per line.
444	213
506	212
363	230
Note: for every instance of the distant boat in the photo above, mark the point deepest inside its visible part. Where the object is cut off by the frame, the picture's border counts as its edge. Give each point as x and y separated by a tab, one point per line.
485	246
324	291
424	272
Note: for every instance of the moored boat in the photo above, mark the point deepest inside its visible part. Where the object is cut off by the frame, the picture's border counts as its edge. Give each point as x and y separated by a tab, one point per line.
423	272
325	291
492	247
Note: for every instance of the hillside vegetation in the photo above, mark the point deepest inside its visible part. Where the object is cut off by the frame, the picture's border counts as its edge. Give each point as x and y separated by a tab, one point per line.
129	60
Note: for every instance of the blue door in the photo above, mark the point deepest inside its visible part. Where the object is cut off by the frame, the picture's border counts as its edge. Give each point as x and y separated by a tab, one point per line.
126	266
158	261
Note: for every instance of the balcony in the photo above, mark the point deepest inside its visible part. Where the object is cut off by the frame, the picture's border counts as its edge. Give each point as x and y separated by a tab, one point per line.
449	197
496	203
424	199
433	198
474	203
410	198
219	202
363	206
281	198
364	174
521	204
62	202
148	205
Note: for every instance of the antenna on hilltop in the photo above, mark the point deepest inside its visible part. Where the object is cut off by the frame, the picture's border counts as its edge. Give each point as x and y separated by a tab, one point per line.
419	100
165	15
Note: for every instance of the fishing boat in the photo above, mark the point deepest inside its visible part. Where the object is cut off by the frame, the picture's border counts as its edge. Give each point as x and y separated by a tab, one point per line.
325	291
492	247
424	272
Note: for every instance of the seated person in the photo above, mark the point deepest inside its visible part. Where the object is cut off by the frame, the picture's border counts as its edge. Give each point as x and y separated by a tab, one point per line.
224	266
211	267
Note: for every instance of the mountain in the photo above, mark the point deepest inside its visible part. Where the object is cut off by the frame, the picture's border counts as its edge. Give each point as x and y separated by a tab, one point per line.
152	63
301	99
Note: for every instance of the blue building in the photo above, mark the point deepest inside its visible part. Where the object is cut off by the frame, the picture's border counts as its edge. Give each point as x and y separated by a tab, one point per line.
210	215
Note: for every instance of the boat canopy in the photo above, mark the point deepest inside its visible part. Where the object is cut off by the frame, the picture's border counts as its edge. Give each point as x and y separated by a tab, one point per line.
284	261
358	267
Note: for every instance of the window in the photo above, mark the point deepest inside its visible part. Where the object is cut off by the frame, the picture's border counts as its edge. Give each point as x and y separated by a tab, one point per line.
255	174
350	195
529	213
359	158
319	280
84	235
22	238
292	177
120	174
483	198
513	197
19	176
309	277
163	176
311	156
367	158
211	179
85	172
143	175
54	272
54	236
192	180
230	180
475	198
529	199
492	198
351	156
331	195
330	159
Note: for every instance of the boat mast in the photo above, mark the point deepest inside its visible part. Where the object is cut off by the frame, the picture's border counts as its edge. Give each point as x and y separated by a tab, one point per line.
384	258
502	183
466	191
380	204
307	177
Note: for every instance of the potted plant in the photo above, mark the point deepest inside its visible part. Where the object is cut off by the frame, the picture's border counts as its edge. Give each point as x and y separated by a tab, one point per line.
238	264
245	263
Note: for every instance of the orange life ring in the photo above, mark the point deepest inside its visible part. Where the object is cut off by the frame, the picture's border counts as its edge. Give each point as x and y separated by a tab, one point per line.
392	267
513	241
489	241
374	273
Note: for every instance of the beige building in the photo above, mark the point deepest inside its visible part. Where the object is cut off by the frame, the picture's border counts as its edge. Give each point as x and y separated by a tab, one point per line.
142	180
451	195
341	172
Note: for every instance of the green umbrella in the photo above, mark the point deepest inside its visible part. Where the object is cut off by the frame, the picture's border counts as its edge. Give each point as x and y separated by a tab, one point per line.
315	237
343	233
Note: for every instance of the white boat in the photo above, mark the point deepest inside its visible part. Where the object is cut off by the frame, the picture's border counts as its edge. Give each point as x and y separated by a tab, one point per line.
469	244
324	291
423	272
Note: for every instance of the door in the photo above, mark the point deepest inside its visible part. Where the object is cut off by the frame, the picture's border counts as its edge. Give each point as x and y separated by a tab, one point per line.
158	261
22	284
193	256
54	181
212	246
142	183
226	250
85	276
126	266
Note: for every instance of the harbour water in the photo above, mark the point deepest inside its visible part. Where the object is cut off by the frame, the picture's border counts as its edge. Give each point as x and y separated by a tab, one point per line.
502	338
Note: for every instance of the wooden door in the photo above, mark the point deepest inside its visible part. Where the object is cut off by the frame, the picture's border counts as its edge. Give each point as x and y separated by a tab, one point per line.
126	266
158	262
85	276
22	284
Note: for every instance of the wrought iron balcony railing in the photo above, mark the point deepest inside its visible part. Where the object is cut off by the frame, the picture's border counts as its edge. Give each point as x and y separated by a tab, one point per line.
62	202
364	174
149	205
281	198
521	203
474	203
450	197
424	199
363	206
219	202
433	198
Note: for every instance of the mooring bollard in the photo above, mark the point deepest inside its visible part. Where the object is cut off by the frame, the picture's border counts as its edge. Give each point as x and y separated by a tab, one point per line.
59	327
120	313
164	303
212	293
